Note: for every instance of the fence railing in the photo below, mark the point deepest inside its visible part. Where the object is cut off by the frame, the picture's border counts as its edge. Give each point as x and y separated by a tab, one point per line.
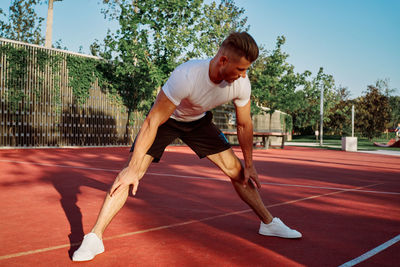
38	108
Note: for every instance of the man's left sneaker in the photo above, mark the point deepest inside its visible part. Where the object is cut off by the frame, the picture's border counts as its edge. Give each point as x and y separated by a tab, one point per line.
90	247
278	228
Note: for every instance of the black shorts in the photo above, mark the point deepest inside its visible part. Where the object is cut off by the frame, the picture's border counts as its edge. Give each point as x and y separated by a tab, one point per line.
202	136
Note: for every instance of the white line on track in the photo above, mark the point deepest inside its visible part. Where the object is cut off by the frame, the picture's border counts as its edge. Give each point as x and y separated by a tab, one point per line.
200	177
372	252
30	252
334	188
57	165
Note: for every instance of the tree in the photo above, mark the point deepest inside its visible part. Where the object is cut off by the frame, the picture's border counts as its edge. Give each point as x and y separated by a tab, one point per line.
307	117
215	22
394	103
23	23
340	116
274	81
154	37
151	37
49	24
373	112
384	87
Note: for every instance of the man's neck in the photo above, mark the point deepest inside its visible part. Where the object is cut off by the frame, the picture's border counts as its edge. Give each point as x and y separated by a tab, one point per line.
213	73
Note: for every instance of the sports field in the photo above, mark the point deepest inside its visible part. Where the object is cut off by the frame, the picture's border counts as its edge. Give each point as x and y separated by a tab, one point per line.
186	212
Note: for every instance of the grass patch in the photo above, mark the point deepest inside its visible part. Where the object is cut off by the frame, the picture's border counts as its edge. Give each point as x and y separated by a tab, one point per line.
335	142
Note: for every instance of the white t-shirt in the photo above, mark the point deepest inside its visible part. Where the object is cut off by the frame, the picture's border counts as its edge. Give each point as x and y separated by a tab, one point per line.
191	90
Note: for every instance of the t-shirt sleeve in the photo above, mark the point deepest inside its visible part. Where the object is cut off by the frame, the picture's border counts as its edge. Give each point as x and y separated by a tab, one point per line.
177	87
244	93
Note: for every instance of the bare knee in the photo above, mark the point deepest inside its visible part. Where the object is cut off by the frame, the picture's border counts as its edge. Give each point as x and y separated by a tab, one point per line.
229	163
234	171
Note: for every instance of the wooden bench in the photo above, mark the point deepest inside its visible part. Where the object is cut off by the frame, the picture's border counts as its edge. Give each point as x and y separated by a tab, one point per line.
265	136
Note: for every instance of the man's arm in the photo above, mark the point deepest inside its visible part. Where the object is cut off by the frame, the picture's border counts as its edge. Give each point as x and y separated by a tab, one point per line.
159	113
245	137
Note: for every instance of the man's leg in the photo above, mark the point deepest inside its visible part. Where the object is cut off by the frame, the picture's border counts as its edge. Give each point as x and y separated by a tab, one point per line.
166	133
228	162
92	244
112	205
231	166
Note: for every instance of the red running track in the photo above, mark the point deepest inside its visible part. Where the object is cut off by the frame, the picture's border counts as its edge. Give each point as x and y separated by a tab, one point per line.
186	212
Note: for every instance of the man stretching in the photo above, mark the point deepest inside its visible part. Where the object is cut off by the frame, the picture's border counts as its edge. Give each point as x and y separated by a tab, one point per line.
181	110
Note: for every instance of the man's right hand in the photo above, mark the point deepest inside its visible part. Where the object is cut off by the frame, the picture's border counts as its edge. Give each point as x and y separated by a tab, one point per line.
125	178
130	175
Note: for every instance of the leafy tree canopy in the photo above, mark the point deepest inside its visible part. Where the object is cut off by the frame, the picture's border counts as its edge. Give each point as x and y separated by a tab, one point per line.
22	23
154	36
373	112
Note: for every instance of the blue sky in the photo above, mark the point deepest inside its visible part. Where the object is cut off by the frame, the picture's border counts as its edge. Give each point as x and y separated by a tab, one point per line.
356	41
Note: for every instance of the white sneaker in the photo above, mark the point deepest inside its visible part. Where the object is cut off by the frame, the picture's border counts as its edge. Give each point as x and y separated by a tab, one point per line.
90	247
278	228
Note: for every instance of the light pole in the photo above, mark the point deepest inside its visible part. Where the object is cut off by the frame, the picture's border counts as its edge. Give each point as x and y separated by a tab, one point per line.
352	121
321	132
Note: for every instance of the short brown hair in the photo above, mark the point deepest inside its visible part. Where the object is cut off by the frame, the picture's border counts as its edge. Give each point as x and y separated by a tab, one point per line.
243	44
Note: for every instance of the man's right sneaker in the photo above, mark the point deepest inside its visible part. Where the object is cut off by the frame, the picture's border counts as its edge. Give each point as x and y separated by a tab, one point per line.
90	247
278	228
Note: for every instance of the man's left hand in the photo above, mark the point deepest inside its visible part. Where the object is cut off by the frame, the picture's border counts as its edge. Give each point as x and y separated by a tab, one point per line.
251	173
